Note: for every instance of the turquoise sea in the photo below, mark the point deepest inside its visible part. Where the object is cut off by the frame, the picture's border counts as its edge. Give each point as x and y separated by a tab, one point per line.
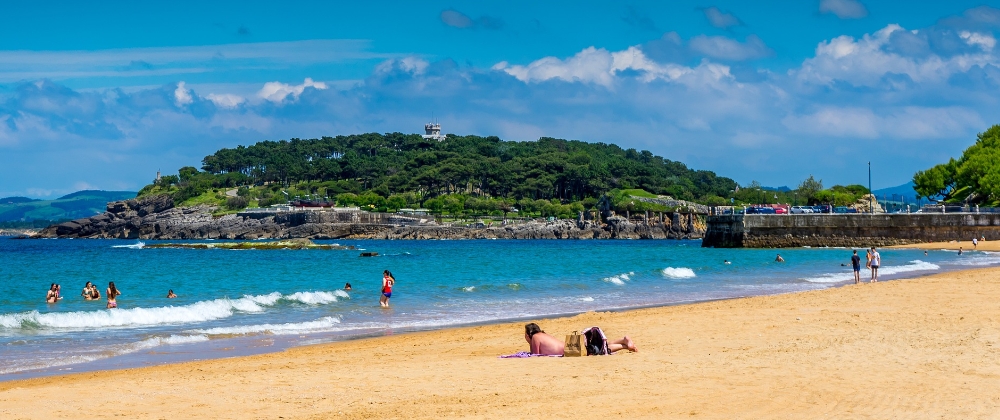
243	302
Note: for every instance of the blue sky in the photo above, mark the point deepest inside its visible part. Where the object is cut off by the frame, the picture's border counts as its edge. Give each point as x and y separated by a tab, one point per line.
102	95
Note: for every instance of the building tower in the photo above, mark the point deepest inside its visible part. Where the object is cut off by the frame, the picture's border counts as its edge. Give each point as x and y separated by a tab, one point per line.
433	131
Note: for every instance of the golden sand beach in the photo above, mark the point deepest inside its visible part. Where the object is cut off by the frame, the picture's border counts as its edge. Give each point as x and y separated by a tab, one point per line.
920	348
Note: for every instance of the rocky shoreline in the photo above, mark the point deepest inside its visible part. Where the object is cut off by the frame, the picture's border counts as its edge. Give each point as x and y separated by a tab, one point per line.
156	218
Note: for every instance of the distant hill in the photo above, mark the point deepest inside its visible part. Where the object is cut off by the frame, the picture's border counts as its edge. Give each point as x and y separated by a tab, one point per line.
72	206
905	190
15	200
782	188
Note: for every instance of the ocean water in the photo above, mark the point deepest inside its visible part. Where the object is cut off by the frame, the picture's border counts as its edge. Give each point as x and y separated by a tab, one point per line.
243	302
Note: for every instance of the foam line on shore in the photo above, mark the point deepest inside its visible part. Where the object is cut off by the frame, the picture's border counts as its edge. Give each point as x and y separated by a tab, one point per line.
202	311
848	275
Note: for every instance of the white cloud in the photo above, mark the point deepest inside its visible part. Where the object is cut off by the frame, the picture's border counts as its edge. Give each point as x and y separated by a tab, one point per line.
865	61
729	49
226	100
278	92
844	9
413	65
601	67
182	95
984	41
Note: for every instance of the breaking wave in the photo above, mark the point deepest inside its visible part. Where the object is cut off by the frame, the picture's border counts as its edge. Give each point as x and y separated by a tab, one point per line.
678	273
208	310
620	279
318	325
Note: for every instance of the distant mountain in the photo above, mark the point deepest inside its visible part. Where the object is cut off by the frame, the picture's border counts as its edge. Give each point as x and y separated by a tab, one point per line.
71	206
783	188
905	191
15	200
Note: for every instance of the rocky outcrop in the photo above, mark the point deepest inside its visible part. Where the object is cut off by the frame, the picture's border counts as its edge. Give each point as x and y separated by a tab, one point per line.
156	218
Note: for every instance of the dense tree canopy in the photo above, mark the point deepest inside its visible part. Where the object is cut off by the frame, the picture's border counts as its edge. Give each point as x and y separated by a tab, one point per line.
395	163
974	178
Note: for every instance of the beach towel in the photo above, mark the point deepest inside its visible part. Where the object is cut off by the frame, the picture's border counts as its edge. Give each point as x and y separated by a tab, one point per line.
524	355
597	342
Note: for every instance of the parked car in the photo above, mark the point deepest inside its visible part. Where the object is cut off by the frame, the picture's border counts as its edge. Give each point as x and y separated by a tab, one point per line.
801	210
844	209
760	210
822	208
780	210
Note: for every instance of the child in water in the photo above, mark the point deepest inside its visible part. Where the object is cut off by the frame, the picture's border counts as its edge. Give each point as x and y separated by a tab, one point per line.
387	282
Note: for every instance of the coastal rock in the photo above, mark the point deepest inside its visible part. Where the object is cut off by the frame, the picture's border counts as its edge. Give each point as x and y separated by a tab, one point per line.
157	218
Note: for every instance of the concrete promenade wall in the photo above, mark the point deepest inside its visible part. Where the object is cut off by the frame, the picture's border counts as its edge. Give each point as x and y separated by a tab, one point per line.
849	230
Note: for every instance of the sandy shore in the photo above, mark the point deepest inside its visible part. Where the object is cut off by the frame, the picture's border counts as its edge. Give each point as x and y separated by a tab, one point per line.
954	245
920	348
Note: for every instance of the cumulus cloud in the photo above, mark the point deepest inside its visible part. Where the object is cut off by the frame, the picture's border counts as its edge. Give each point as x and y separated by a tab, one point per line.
277	92
844	9
456	19
182	96
226	100
867	61
720	19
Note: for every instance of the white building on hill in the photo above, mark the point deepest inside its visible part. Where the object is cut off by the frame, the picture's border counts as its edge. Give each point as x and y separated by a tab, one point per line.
433	131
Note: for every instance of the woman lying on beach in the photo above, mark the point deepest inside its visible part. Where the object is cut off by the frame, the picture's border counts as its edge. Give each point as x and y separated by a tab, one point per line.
540	342
113	294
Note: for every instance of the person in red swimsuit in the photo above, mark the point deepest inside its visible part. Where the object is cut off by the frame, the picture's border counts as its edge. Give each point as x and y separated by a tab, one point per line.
387	282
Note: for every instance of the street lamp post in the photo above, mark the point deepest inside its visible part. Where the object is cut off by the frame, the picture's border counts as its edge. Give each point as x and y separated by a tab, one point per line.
870	193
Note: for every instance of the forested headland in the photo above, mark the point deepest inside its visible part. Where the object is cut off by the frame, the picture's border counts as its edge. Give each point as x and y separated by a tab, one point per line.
972	179
460	175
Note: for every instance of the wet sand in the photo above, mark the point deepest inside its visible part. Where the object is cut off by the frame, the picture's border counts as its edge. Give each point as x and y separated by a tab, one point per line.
919	348
954	245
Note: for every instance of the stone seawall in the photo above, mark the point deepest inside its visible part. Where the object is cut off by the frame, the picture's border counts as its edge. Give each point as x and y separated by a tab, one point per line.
848	230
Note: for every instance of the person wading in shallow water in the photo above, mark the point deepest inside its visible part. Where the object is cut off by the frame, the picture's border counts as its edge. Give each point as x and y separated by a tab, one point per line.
387	282
113	294
856	264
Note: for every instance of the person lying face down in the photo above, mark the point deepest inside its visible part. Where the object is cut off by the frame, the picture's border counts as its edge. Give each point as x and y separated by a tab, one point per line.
542	343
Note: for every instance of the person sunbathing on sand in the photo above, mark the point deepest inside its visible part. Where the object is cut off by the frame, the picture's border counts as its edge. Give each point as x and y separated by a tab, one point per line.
542	343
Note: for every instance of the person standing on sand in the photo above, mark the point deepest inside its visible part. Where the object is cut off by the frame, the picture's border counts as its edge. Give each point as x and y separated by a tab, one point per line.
856	264
876	261
975	243
387	282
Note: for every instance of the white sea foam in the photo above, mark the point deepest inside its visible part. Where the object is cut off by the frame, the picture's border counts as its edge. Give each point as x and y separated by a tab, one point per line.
678	273
619	279
208	310
469	289
100	353
138	245
587	299
318	325
915	265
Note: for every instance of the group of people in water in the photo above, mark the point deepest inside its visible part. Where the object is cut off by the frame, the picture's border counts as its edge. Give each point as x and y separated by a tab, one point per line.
91	292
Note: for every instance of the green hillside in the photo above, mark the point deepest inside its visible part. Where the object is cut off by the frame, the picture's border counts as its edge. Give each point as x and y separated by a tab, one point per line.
71	206
460	175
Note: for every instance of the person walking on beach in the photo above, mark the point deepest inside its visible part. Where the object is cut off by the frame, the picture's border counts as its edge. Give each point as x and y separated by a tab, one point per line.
975	243
856	264
387	282
875	262
113	294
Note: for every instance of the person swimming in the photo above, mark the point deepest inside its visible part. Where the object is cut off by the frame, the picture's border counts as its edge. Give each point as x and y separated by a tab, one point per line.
347	287
779	259
170	294
726	262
